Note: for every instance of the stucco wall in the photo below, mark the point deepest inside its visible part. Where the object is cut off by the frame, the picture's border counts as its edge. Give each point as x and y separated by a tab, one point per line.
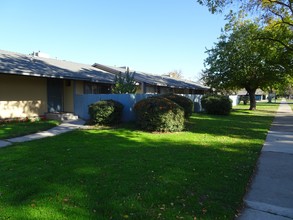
68	96
22	96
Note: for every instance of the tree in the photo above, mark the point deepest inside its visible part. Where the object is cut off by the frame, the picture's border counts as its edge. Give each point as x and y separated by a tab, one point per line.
124	83
241	60
285	89
177	74
271	9
264	10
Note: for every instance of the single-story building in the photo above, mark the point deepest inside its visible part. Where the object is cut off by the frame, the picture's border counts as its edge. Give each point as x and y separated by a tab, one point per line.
32	85
259	94
157	84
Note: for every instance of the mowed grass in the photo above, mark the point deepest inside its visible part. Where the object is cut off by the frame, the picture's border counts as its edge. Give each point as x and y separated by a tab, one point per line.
290	102
16	129
122	173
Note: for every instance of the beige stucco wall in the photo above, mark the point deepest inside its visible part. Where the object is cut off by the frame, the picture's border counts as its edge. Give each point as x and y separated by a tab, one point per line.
22	96
68	96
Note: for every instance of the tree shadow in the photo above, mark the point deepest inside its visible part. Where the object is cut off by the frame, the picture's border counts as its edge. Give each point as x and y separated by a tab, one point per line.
117	174
21	108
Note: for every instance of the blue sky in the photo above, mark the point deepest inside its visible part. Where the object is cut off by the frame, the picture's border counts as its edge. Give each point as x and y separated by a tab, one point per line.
155	36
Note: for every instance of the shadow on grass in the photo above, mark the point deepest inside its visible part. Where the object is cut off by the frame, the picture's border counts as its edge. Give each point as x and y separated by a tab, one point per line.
21	128
122	174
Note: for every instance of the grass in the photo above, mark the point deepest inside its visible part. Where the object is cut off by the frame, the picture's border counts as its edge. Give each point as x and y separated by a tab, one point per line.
16	129
201	173
290	102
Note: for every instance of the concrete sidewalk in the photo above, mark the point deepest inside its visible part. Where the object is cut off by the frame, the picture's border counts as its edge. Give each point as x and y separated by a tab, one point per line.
270	195
62	128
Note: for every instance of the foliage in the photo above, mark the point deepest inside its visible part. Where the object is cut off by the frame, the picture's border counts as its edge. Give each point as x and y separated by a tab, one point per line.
279	33
15	128
159	114
264	11
124	83
184	102
285	88
122	173
216	104
241	60
106	112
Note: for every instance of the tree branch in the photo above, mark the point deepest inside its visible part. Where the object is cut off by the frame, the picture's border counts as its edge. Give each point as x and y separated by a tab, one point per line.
289	6
282	18
276	40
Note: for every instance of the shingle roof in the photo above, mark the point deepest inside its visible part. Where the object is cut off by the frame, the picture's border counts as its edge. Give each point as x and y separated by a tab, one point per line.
257	92
20	64
155	79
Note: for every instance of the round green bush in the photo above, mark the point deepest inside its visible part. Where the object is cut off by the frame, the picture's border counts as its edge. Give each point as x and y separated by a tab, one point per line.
105	112
184	102
216	104
159	114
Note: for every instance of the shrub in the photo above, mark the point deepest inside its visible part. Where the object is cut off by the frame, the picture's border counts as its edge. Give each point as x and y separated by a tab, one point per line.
216	104
159	114
184	102
107	112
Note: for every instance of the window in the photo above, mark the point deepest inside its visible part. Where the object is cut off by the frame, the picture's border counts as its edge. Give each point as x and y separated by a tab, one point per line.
95	88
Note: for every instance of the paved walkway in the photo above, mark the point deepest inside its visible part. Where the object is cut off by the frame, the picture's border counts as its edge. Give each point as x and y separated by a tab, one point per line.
270	196
62	128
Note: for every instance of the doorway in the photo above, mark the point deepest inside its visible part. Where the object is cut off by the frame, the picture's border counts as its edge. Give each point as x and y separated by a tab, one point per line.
55	95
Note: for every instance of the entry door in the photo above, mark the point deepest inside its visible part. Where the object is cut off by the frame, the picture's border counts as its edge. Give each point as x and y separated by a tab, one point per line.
55	95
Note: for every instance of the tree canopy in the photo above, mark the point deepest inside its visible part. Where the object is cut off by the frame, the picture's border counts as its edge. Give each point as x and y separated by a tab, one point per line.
242	59
265	11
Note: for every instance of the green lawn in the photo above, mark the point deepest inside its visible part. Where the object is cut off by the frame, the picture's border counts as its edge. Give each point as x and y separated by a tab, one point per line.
290	102
16	129
121	173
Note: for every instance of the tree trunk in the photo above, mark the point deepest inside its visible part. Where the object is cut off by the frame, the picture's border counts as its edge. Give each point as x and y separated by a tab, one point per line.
270	97
251	93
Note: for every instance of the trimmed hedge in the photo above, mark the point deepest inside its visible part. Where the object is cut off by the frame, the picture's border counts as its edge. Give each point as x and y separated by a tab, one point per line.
105	112
184	102
159	114
216	104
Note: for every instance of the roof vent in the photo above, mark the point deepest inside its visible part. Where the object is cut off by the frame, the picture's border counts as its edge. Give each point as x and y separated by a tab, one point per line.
40	54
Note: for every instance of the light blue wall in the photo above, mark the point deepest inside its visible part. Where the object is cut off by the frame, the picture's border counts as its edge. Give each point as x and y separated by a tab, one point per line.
81	103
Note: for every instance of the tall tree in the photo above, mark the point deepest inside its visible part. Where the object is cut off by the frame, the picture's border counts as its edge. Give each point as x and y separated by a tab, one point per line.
241	60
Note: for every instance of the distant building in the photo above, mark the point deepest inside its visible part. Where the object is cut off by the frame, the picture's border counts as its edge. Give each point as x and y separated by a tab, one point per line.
259	94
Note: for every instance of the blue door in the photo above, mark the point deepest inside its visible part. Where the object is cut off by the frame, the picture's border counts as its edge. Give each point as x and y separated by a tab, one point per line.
55	95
